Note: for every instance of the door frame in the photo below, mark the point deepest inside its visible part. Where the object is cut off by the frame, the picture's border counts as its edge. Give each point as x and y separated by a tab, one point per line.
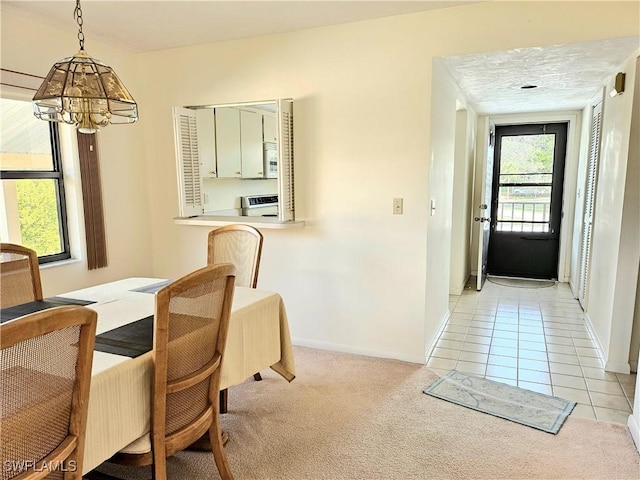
538	259
569	243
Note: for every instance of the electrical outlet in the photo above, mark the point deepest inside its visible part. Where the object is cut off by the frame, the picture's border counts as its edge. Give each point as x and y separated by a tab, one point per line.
397	206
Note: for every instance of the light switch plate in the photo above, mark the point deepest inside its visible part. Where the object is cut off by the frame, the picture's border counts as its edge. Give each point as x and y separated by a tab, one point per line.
397	206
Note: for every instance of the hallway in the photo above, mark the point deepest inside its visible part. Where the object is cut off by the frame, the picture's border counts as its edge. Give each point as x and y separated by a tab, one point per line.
535	338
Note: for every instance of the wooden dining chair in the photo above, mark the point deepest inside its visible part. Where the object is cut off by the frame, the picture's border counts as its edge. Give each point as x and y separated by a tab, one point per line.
45	372
190	333
240	245
19	275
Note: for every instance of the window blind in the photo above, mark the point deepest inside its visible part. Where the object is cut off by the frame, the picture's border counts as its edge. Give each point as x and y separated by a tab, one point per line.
92	201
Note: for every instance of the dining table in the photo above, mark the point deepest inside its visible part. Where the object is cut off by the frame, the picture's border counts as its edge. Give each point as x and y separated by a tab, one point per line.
119	409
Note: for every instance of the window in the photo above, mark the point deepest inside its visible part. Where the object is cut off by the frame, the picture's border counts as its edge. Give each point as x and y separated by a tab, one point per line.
32	189
524	188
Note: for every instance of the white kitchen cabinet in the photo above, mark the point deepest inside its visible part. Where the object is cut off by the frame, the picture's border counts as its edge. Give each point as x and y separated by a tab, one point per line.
251	144
229	154
270	128
206	129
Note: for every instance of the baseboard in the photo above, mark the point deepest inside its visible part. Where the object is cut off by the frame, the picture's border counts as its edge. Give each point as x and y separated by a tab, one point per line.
574	289
595	338
616	367
336	347
633	423
434	340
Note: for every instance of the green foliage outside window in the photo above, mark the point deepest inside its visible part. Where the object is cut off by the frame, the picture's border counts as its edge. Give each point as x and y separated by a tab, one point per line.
38	209
527	154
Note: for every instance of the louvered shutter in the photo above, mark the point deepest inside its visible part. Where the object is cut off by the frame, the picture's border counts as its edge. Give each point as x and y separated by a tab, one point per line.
189	178
286	197
589	202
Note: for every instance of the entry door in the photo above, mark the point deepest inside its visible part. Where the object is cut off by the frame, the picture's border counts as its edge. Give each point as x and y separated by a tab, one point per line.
484	210
528	177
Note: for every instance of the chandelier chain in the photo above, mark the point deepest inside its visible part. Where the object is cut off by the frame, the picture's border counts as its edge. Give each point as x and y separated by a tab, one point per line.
77	13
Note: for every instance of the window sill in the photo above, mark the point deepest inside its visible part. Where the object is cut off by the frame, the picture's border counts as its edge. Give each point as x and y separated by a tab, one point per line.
219	221
61	263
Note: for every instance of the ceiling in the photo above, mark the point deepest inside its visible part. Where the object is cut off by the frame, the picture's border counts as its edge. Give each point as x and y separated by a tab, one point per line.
143	26
567	76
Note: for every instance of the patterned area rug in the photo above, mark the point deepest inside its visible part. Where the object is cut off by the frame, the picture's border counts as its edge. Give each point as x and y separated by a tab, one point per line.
519	405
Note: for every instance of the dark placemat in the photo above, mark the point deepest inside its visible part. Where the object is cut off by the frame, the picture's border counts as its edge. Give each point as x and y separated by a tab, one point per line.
16	311
131	340
151	288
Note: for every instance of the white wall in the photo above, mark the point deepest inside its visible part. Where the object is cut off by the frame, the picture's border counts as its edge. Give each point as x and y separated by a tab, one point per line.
463	176
613	270
634	349
440	201
32	48
624	304
356	277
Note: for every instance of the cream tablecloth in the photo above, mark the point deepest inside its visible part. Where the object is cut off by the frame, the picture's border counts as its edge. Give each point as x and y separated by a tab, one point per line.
120	399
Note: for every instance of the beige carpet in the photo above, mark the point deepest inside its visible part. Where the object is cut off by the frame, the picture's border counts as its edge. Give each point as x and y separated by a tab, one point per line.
354	417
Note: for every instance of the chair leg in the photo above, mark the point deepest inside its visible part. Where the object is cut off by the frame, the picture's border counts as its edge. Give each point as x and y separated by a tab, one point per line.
159	456
224	397
257	377
215	437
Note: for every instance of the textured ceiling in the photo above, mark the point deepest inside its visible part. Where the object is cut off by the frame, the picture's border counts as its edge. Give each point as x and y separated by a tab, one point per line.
567	76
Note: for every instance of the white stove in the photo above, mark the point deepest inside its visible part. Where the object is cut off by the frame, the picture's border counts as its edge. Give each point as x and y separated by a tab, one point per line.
260	205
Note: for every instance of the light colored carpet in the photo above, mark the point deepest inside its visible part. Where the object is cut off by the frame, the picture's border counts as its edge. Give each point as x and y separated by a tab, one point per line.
537	410
353	417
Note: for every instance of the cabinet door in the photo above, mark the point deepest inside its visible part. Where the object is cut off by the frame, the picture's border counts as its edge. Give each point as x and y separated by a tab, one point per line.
251	144
270	128
188	162
286	197
207	142
228	142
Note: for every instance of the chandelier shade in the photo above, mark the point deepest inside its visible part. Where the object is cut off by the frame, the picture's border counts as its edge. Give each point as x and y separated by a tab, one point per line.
84	92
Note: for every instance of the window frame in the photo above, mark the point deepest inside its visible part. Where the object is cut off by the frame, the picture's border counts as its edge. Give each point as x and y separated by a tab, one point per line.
56	173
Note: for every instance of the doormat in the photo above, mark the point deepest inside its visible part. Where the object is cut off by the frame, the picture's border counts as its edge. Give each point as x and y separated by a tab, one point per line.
519	405
521	282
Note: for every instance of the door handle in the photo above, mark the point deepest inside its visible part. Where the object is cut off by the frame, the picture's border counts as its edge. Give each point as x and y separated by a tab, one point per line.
482	219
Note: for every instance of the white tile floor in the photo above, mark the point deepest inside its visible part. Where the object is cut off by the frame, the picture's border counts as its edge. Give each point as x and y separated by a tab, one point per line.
535	338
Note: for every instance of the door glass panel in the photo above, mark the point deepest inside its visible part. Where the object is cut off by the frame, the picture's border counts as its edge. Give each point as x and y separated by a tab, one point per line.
524	190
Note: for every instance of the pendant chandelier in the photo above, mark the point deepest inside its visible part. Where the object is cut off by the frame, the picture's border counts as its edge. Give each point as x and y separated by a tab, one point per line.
84	92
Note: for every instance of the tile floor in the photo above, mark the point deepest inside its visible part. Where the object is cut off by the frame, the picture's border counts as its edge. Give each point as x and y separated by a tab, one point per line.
535	338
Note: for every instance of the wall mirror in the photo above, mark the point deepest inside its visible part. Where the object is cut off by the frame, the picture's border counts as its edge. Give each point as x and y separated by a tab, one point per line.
236	160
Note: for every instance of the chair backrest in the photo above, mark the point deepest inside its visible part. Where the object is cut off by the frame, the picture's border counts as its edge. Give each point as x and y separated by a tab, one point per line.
240	245
190	334
20	275
45	372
